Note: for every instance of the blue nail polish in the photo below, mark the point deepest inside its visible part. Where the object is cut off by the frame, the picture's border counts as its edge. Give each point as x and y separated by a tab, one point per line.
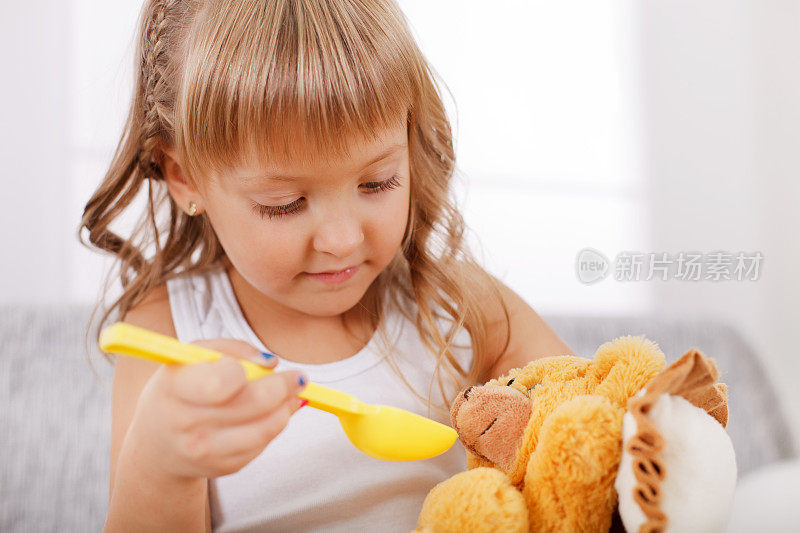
268	356
301	380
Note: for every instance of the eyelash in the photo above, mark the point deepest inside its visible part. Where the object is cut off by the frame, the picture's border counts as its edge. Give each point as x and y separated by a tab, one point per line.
288	209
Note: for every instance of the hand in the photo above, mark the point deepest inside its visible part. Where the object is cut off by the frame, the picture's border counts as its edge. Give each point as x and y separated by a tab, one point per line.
206	419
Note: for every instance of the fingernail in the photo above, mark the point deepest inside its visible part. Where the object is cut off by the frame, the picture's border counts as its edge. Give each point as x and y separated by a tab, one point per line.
301	380
268	356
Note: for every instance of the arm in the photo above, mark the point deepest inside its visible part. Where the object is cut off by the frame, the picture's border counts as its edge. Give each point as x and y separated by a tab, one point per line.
531	337
140	500
145	501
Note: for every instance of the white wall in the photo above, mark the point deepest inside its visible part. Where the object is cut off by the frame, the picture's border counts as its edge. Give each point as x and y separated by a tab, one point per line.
34	150
721	114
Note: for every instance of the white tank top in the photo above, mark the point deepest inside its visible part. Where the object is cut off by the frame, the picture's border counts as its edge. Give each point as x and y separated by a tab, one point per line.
310	477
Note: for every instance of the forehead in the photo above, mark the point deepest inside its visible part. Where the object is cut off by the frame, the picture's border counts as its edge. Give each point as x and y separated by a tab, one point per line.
300	159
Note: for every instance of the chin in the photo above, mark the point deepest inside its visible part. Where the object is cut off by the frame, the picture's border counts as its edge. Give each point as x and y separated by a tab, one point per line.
332	303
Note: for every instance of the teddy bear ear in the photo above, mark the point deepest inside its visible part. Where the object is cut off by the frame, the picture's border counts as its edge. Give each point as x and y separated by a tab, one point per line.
612	362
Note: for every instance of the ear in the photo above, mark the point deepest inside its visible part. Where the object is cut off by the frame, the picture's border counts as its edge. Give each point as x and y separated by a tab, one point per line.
623	366
180	188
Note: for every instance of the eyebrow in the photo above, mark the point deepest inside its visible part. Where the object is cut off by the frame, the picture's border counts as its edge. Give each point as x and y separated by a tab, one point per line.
380	157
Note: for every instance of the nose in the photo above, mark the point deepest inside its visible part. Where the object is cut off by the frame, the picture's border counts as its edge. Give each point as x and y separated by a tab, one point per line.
466	392
339	234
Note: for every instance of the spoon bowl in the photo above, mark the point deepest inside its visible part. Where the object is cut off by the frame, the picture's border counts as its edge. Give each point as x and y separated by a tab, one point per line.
393	434
380	431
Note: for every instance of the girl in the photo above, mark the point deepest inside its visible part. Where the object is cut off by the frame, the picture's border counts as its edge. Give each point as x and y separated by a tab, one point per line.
304	159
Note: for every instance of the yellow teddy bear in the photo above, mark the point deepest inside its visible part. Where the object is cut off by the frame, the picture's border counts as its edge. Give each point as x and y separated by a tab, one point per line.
614	443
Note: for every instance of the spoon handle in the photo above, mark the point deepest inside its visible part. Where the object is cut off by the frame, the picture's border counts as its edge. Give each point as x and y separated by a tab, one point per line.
127	339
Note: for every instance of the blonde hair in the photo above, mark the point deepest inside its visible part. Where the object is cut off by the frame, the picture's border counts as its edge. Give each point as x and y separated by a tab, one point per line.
220	81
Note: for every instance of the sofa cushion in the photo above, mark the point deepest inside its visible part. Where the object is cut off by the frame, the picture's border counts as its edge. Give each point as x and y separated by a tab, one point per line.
55	389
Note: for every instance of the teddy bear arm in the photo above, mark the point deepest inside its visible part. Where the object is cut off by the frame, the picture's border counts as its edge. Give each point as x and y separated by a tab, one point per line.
478	500
569	481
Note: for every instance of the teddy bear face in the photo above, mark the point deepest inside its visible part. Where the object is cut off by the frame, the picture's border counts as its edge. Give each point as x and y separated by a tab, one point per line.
491	419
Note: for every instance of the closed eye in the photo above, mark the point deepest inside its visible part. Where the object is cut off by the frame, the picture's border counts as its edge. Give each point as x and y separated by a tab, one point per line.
277	211
375	187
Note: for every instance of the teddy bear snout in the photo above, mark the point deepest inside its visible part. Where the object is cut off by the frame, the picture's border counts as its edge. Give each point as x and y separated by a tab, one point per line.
479	409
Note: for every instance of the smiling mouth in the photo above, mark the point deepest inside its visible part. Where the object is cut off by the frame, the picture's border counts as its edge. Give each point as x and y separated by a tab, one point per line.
335	271
488	428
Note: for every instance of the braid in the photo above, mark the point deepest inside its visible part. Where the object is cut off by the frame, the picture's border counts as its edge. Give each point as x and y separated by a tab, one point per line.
155	47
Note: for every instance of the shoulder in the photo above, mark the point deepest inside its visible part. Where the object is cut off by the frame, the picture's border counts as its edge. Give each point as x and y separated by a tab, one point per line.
153	312
516	334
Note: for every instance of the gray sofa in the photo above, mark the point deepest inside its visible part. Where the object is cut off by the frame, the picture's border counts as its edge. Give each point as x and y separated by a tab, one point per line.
54	432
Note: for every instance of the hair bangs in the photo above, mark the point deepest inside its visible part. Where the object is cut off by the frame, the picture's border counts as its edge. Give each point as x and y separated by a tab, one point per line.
288	81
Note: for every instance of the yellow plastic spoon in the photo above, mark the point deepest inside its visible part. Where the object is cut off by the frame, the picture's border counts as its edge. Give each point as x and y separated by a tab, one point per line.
380	431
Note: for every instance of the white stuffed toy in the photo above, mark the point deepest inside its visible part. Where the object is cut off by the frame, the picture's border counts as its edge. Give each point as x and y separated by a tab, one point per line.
678	467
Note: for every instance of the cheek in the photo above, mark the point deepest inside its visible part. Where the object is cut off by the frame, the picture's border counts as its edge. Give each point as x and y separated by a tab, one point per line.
389	223
272	251
275	250
260	249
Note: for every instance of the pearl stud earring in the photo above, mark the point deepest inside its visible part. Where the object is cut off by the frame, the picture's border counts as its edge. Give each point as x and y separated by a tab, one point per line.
192	209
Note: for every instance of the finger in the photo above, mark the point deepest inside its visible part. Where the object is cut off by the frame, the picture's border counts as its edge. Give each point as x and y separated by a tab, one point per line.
240	350
244	442
258	399
226	382
208	383
267	394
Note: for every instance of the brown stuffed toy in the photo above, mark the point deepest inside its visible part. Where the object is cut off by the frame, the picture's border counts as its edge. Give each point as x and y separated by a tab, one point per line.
545	444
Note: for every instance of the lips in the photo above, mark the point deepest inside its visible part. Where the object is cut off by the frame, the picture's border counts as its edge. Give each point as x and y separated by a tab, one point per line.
336	278
334	271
